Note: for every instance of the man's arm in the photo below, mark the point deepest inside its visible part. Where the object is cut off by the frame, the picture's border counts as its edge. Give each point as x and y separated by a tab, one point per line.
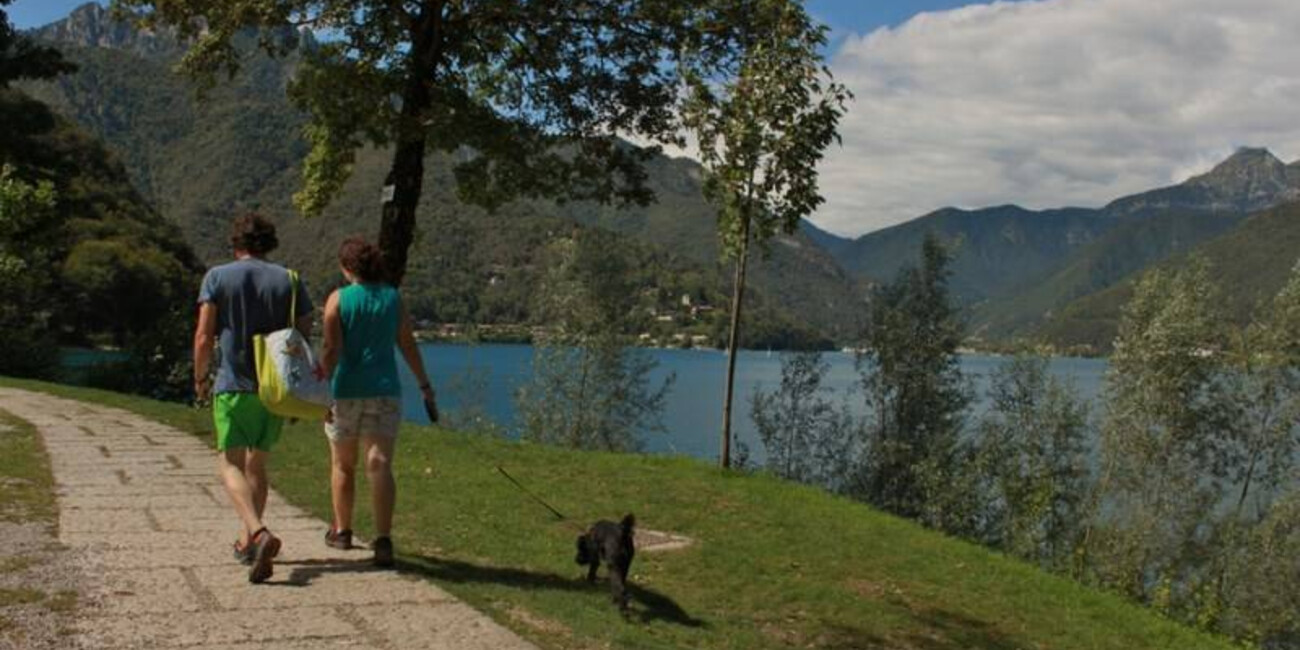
304	322
205	339
304	325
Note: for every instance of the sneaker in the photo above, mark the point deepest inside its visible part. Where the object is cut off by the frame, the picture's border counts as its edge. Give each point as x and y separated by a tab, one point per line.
341	539
243	554
265	547
383	548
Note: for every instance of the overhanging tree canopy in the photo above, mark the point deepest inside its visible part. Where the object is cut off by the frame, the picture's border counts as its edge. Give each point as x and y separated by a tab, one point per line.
531	95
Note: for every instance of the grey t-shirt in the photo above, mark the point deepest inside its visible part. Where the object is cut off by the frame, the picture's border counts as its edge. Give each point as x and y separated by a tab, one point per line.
252	296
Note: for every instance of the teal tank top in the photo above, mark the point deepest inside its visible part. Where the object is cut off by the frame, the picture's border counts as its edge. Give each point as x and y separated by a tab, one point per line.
370	314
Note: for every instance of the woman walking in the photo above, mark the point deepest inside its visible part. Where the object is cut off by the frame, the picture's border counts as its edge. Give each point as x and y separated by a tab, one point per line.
364	322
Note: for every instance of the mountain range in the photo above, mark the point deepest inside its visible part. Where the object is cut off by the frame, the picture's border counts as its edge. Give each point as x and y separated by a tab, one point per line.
1019	273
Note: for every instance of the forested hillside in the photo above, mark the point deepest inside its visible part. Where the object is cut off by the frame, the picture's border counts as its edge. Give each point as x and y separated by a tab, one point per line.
92	261
1250	263
240	148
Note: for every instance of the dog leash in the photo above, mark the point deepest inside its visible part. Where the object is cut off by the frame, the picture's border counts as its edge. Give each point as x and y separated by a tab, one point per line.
559	516
557	513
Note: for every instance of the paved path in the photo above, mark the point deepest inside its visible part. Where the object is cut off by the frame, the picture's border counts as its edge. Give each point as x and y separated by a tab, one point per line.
140	504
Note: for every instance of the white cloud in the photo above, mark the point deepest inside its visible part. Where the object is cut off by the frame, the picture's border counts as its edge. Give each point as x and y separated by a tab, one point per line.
1056	102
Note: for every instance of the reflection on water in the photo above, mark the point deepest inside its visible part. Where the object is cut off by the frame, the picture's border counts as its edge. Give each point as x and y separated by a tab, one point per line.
693	413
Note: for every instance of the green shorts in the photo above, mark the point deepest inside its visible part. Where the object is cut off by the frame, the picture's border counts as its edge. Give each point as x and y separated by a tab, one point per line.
242	421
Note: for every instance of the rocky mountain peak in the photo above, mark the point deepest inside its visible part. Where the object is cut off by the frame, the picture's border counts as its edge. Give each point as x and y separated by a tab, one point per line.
1248	170
1250	179
93	25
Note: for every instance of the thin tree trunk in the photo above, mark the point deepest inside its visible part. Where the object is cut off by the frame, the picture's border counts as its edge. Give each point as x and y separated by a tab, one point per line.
733	341
405	181
580	404
1245	489
1254	459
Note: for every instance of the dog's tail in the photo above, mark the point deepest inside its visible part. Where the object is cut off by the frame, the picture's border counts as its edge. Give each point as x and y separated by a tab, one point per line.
628	524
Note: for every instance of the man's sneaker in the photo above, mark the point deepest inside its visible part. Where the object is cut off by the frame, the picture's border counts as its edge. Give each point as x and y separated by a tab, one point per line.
341	539
265	547
383	548
244	554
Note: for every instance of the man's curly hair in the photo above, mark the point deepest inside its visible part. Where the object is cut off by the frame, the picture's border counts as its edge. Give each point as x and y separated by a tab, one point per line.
253	234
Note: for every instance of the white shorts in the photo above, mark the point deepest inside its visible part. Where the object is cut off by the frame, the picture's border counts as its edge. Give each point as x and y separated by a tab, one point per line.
374	416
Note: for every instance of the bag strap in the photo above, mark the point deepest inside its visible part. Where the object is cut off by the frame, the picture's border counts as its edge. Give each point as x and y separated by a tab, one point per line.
293	300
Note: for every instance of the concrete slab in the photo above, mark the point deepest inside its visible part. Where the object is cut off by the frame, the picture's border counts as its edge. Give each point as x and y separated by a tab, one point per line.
184	628
445	625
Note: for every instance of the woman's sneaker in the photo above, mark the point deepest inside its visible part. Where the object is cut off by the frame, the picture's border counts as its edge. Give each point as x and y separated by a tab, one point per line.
383	548
341	539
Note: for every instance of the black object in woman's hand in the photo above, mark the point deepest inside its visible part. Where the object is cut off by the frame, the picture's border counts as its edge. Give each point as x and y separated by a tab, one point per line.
431	409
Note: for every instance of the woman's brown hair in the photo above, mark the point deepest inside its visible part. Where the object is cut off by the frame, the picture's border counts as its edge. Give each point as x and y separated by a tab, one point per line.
362	259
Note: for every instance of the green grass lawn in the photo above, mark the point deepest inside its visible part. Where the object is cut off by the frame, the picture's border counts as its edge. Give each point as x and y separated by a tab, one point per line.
775	565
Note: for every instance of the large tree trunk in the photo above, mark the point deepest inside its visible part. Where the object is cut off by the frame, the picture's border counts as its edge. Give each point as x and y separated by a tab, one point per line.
397	226
733	341
405	181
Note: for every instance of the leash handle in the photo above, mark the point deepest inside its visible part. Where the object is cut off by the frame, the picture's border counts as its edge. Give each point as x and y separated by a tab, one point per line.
534	496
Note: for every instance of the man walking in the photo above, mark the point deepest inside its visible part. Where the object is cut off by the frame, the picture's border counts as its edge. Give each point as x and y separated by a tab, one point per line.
238	300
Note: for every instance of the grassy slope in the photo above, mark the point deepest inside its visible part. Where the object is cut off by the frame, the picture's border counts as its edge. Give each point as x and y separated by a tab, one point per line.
776	565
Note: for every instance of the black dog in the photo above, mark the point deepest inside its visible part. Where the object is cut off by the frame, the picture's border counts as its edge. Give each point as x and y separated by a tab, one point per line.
610	543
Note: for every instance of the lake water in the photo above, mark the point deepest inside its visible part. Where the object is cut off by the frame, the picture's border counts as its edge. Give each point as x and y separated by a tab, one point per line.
693	412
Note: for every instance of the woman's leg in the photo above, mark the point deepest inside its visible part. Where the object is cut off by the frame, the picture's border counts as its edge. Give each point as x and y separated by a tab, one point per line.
343	470
383	489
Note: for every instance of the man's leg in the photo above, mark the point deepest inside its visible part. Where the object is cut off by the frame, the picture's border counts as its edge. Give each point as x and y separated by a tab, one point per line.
255	474
383	489
343	473
230	465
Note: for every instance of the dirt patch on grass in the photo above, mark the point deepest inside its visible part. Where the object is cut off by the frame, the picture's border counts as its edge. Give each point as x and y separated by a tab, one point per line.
867	588
653	541
539	623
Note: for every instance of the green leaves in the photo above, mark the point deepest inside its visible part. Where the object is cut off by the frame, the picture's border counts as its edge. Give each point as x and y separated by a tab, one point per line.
806	435
26	213
589	388
915	391
764	119
1199	453
504	84
29	227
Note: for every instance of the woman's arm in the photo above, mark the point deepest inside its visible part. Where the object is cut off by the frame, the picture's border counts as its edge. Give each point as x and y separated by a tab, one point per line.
411	352
333	345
